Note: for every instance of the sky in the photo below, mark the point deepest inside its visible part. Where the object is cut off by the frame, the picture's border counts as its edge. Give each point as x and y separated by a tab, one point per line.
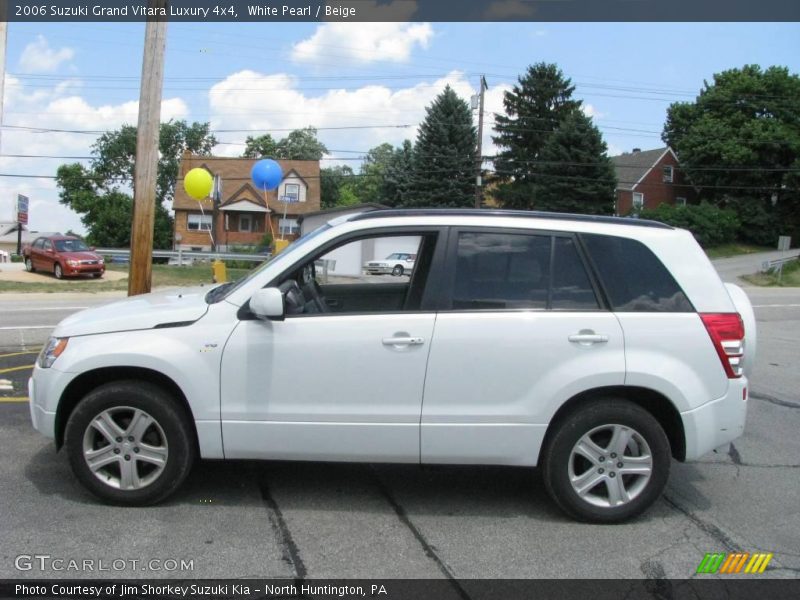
374	79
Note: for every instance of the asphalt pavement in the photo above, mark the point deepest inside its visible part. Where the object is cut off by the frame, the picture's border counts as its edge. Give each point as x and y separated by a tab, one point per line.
274	519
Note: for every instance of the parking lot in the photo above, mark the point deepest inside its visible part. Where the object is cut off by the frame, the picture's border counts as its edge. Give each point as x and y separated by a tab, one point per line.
272	519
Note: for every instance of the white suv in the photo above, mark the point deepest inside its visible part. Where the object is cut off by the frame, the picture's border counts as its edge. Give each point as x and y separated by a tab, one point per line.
596	348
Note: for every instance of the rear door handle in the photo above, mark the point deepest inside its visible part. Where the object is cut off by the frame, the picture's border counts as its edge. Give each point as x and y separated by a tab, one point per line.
403	341
587	339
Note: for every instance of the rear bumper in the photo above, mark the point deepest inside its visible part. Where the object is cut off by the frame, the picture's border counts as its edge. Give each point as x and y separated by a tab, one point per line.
717	422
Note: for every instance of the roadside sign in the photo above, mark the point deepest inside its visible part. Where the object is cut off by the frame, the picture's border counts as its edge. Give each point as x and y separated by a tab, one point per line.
22	209
289	199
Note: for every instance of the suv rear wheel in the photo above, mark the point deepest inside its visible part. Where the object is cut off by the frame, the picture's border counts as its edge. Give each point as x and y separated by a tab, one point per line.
129	443
606	462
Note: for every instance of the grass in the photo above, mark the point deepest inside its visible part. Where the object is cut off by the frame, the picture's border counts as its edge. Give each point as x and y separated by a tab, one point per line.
163	276
789	278
734	249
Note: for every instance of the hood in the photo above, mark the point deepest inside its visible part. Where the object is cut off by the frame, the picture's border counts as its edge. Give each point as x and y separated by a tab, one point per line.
138	312
84	255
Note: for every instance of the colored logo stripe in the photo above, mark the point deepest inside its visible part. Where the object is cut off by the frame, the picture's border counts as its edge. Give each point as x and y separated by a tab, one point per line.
734	562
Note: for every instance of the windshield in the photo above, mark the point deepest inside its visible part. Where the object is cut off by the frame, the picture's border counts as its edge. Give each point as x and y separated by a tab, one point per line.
70	246
223	291
399	256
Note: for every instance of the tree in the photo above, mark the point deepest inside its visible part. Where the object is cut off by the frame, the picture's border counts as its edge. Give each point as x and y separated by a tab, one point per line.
396	188
97	192
739	142
534	108
444	155
300	144
332	180
574	173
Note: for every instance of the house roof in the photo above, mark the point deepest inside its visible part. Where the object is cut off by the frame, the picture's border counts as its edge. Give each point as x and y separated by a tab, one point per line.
631	167
351	208
235	174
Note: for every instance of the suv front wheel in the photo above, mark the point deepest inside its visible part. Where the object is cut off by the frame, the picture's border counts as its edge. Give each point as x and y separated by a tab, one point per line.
129	443
606	462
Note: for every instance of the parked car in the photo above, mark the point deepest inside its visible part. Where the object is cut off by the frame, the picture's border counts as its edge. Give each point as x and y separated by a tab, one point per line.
397	263
63	256
595	348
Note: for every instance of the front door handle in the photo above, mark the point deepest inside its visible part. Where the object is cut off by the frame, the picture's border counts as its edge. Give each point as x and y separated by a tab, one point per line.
587	338
403	341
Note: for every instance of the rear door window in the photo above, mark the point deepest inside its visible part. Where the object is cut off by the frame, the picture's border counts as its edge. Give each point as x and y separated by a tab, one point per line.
634	279
501	271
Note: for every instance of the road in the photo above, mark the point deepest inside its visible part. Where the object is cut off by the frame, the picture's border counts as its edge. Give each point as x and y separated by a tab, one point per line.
272	519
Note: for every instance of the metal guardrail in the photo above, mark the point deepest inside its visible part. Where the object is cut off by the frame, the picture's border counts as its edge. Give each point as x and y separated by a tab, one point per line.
182	256
776	264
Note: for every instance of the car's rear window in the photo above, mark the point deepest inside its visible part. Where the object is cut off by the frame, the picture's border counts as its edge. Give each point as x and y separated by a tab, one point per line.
635	280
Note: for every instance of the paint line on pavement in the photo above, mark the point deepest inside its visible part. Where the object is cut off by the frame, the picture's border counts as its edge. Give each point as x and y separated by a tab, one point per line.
11	310
775	305
20	353
17	399
28	327
9	370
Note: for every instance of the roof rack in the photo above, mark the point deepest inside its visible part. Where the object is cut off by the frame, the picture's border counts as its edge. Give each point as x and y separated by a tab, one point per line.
525	214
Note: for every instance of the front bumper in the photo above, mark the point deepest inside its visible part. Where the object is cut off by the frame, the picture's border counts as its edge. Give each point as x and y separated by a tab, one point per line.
718	422
44	390
378	270
84	269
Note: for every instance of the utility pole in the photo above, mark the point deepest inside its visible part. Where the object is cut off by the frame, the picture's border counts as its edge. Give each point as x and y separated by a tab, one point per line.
3	45
145	172
479	158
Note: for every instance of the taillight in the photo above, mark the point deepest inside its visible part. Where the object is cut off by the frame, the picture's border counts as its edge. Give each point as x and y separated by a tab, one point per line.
727	333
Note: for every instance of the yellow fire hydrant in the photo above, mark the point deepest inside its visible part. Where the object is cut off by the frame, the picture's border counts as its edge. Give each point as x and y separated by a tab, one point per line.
280	245
220	274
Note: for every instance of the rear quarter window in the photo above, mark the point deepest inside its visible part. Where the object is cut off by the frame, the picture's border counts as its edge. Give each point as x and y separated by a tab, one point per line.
634	278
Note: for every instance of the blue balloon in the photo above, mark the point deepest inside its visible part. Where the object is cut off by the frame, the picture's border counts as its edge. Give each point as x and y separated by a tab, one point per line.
266	174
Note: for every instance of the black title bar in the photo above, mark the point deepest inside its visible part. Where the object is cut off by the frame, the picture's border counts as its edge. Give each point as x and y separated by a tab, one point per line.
404	10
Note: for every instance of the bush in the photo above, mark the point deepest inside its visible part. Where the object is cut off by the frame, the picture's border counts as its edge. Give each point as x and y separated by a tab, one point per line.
710	225
242	264
759	224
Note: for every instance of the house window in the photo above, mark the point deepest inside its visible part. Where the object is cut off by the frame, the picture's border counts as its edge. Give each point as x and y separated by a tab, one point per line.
245	223
197	222
291	192
638	201
680	201
288	226
668	174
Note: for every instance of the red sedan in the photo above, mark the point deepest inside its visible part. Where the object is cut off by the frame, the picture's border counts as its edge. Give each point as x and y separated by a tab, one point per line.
63	256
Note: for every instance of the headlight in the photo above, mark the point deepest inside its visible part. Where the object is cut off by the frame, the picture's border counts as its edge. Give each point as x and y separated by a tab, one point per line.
51	351
73	263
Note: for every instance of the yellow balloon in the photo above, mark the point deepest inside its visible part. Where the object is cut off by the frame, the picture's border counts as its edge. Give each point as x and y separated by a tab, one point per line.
198	183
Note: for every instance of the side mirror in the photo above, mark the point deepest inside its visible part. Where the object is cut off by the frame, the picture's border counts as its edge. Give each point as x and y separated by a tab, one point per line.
267	303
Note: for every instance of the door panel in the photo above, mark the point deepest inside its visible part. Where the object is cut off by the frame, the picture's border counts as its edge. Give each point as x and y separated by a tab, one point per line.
325	387
495	379
363	297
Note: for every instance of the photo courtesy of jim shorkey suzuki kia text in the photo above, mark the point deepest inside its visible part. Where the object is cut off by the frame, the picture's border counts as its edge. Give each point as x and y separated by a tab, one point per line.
194	590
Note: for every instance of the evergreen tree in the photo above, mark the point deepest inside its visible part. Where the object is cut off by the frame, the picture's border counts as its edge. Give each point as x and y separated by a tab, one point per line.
574	174
444	155
396	187
534	109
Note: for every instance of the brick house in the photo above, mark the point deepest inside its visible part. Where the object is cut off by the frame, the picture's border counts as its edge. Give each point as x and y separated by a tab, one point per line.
245	213
647	178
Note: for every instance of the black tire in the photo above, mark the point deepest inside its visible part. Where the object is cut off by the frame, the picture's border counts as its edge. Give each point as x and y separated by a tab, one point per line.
29	265
600	416
97	275
175	426
397	271
58	271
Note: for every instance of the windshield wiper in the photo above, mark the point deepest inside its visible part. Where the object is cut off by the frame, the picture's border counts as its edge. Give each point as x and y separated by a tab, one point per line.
215	295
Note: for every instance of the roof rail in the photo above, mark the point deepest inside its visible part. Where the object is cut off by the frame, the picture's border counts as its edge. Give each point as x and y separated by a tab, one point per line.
525	214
